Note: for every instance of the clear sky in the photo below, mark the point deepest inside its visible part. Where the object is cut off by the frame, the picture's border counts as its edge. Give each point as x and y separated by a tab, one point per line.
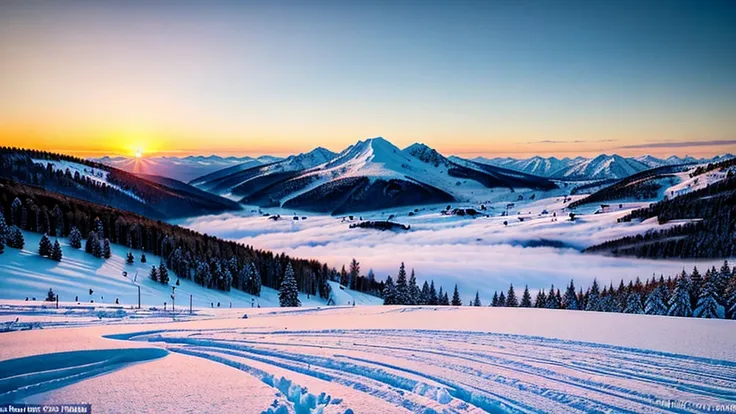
490	77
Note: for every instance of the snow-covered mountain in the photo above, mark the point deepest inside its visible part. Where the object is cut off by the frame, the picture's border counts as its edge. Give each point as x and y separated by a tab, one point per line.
239	180
368	175
601	167
180	168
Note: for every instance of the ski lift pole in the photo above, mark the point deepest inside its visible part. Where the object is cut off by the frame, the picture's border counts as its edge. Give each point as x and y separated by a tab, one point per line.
139	296
173	297
190	303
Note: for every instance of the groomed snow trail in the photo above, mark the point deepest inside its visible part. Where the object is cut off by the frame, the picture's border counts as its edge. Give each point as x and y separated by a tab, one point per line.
428	371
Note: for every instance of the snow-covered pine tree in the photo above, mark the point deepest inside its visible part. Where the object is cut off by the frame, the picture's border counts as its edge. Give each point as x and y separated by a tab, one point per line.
288	291
257	283
456	298
476	301
75	238
633	303
724	276
708	303
403	296
163	273
154	274
656	303
15	238
526	298
3	228
56	253
729	298
130	259
570	300
594	301
106	253
541	300
389	292
552	299
99	229
414	292
44	246
680	299
511	300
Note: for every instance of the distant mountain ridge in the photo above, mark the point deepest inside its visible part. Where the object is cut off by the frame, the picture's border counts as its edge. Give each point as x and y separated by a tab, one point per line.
368	175
601	167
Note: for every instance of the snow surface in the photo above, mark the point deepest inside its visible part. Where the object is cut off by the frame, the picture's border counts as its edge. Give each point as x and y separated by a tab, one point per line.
23	273
381	360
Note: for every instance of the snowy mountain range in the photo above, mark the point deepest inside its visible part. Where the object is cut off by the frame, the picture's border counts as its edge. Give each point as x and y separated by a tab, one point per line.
601	167
181	168
371	174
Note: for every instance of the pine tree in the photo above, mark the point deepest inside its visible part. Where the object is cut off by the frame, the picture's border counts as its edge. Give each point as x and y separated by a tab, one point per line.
130	259
44	246
445	300
552	299
143	258
414	292
656	302
440	297
724	276
15	238
476	301
593	302
75	238
257	283
540	300
424	295
570	301
434	299
501	299
50	296
511	300
163	273
288	291
708	303
633	303
106	249
2	246
526	298
154	274
695	286
456	298
494	301
680	299
56	253
389	292
403	296
3	228
354	273
730	296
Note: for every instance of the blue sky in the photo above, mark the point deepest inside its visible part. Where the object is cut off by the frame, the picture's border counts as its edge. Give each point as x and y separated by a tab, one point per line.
486	77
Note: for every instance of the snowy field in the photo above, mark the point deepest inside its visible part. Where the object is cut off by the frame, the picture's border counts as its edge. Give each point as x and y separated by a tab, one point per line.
480	253
380	360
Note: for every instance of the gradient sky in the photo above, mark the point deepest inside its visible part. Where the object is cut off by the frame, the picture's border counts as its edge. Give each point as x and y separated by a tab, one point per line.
465	77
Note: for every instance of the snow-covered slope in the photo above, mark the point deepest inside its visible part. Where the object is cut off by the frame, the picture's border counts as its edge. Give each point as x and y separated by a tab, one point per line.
543	167
602	166
25	274
179	168
237	181
97	175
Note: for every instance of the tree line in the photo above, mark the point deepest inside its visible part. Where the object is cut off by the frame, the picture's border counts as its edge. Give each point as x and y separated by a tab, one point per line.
209	261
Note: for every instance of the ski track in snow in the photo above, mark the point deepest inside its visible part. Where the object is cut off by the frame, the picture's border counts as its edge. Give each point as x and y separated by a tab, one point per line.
428	371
